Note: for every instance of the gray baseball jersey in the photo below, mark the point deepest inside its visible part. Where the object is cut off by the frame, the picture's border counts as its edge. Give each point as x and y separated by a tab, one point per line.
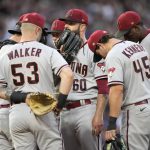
29	67
128	64
5	137
146	43
76	123
85	75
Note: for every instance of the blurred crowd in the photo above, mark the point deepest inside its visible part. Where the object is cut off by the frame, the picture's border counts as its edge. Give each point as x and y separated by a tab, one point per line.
102	13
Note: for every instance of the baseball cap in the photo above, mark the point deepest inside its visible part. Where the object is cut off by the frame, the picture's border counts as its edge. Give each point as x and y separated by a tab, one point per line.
76	15
95	38
16	29
126	21
34	18
57	26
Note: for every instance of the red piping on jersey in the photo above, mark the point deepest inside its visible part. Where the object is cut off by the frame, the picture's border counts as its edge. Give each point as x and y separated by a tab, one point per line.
84	44
58	72
115	82
101	77
118	43
127	132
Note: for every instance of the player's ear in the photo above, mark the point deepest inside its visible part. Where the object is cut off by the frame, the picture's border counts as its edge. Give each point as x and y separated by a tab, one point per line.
82	27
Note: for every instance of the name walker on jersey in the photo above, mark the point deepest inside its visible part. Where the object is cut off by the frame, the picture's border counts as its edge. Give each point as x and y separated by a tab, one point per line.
24	53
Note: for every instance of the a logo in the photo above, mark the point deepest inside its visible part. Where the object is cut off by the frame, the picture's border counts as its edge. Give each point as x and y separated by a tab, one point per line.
141	109
102	66
111	71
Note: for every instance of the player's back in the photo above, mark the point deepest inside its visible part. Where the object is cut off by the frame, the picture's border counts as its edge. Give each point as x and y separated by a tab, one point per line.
31	65
146	43
134	70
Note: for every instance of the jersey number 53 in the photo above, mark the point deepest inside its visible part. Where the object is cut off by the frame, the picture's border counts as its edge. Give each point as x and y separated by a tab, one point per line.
20	78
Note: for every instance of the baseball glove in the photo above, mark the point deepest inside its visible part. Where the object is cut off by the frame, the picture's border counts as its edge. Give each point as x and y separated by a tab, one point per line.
6	42
69	43
117	144
41	103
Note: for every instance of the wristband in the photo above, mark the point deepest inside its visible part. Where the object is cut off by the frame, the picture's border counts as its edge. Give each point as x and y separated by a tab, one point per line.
18	97
112	123
61	100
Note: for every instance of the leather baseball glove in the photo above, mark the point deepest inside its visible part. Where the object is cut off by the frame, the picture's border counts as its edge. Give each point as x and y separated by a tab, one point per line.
41	103
117	144
69	44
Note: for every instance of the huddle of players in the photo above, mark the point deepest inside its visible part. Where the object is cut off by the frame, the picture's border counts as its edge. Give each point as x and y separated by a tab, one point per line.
101	42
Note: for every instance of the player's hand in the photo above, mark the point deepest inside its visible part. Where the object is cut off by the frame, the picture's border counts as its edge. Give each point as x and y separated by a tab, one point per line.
110	135
57	111
27	99
97	124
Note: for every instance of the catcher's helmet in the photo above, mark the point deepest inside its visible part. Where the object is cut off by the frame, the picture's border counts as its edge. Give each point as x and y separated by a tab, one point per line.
117	144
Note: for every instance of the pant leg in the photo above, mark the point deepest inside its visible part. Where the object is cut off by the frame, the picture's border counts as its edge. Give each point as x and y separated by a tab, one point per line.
76	126
49	137
135	127
20	119
5	138
67	127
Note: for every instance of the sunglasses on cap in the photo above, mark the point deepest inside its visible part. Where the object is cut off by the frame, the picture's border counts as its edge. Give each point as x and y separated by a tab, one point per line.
71	23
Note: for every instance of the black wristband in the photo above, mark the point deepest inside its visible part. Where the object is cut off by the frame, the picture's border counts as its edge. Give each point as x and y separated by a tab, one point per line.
18	97
61	100
112	123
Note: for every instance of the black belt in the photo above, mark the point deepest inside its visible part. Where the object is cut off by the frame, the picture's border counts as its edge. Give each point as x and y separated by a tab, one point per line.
5	106
78	103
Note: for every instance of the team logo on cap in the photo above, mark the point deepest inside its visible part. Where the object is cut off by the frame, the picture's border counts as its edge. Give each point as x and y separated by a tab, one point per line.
111	71
93	43
26	19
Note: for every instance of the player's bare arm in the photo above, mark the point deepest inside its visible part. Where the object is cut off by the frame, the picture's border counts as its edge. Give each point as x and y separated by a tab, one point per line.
4	92
97	122
66	76
115	100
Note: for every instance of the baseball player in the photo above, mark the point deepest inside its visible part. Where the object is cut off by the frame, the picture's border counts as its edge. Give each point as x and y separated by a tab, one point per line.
57	28
127	65
82	119
5	138
131	27
29	67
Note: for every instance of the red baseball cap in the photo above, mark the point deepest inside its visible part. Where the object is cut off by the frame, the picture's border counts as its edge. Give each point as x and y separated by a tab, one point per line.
57	26
76	15
95	38
34	18
126	21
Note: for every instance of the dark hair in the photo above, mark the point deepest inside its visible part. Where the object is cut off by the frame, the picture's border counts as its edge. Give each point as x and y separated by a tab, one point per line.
105	38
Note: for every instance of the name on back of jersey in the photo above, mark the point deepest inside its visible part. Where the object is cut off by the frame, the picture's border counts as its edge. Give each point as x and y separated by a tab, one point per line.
26	52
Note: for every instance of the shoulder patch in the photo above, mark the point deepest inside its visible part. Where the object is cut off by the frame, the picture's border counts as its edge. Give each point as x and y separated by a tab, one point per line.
101	66
111	71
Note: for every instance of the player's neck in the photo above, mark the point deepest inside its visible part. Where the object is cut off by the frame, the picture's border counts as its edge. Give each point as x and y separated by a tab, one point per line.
114	42
24	39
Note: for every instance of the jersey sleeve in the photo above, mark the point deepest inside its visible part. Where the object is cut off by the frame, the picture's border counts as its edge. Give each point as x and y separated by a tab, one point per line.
114	70
3	83
58	62
100	70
